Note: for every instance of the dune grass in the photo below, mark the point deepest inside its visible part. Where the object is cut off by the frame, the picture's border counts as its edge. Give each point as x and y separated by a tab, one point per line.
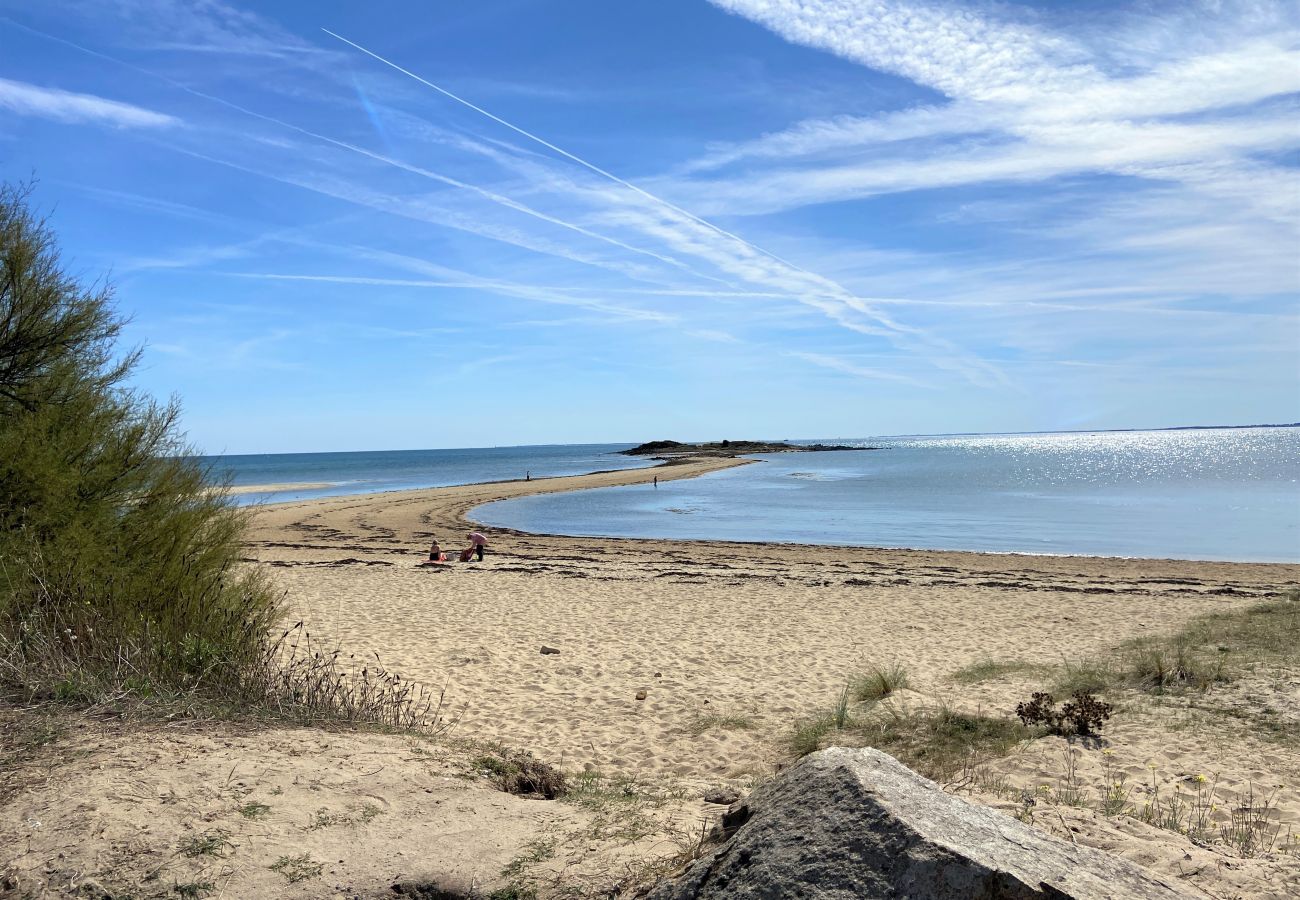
1210	649
938	742
993	669
877	683
702	721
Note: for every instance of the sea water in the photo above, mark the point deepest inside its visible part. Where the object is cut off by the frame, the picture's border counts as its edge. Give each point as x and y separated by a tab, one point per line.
1215	494
394	470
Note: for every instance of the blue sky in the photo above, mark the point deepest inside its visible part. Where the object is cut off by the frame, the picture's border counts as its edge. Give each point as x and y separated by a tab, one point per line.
518	221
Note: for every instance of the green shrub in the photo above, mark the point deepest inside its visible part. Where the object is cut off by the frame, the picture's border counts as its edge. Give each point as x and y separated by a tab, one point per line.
879	683
119	559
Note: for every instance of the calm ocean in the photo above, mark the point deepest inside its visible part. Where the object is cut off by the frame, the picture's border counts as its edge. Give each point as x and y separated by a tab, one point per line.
1224	494
396	470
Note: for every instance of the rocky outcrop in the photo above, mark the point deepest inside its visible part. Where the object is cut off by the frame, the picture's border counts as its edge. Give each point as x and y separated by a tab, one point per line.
858	824
671	449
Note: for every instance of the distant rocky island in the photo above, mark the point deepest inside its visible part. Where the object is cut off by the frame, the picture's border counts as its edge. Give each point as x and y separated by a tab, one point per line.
729	448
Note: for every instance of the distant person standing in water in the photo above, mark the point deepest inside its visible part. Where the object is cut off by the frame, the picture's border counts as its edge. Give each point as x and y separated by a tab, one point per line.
528	476
656	482
476	543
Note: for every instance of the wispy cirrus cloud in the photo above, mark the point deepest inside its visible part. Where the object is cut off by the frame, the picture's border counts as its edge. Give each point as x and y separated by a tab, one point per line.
848	367
66	106
1192	134
1023	104
183	26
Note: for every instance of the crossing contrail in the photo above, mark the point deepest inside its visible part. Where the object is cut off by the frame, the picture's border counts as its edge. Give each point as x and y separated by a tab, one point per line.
941	352
485	193
837	290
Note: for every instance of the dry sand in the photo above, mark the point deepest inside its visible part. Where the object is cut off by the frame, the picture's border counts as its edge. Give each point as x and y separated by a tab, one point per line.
279	486
765	633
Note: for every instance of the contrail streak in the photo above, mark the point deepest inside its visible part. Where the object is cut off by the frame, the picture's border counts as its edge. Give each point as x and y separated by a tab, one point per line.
829	289
492	196
838	289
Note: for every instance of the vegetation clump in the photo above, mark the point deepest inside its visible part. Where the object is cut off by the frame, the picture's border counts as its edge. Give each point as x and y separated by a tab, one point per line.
118	559
937	742
121	580
297	868
878	683
991	669
519	772
702	721
1082	714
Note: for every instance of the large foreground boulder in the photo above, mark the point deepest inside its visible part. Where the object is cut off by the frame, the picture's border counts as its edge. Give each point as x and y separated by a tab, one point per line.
857	823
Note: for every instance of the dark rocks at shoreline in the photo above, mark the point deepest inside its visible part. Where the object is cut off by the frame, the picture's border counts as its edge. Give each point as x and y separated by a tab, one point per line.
730	448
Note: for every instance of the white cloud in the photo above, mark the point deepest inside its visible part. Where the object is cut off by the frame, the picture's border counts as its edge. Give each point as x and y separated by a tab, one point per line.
1190	128
65	106
185	26
1042	105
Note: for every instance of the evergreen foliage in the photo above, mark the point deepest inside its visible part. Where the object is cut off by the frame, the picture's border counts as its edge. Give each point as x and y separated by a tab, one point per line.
118	559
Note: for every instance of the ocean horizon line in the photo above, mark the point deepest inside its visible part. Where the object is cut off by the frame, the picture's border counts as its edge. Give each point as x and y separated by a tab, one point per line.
870	437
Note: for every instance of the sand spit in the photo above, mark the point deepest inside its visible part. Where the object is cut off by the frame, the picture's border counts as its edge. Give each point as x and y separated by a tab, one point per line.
679	664
280	487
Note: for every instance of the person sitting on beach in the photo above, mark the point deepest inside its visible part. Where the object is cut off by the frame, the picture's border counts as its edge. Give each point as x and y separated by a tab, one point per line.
476	544
436	556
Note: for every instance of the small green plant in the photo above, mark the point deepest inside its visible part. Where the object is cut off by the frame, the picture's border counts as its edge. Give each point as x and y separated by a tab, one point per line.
1069	787
1250	830
989	670
73	690
1188	813
193	888
1165	665
534	852
370	812
254	810
840	714
1026	801
209	843
702	721
1115	790
878	683
297	868
806	735
323	818
1088	676
514	892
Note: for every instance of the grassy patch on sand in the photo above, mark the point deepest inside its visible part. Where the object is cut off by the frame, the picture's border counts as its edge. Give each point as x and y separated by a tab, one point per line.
1209	650
993	669
877	683
716	720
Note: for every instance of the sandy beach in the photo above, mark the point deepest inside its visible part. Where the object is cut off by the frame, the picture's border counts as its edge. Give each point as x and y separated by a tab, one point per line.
755	635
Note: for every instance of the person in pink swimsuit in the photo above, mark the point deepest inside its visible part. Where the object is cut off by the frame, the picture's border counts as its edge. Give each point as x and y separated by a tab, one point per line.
476	543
